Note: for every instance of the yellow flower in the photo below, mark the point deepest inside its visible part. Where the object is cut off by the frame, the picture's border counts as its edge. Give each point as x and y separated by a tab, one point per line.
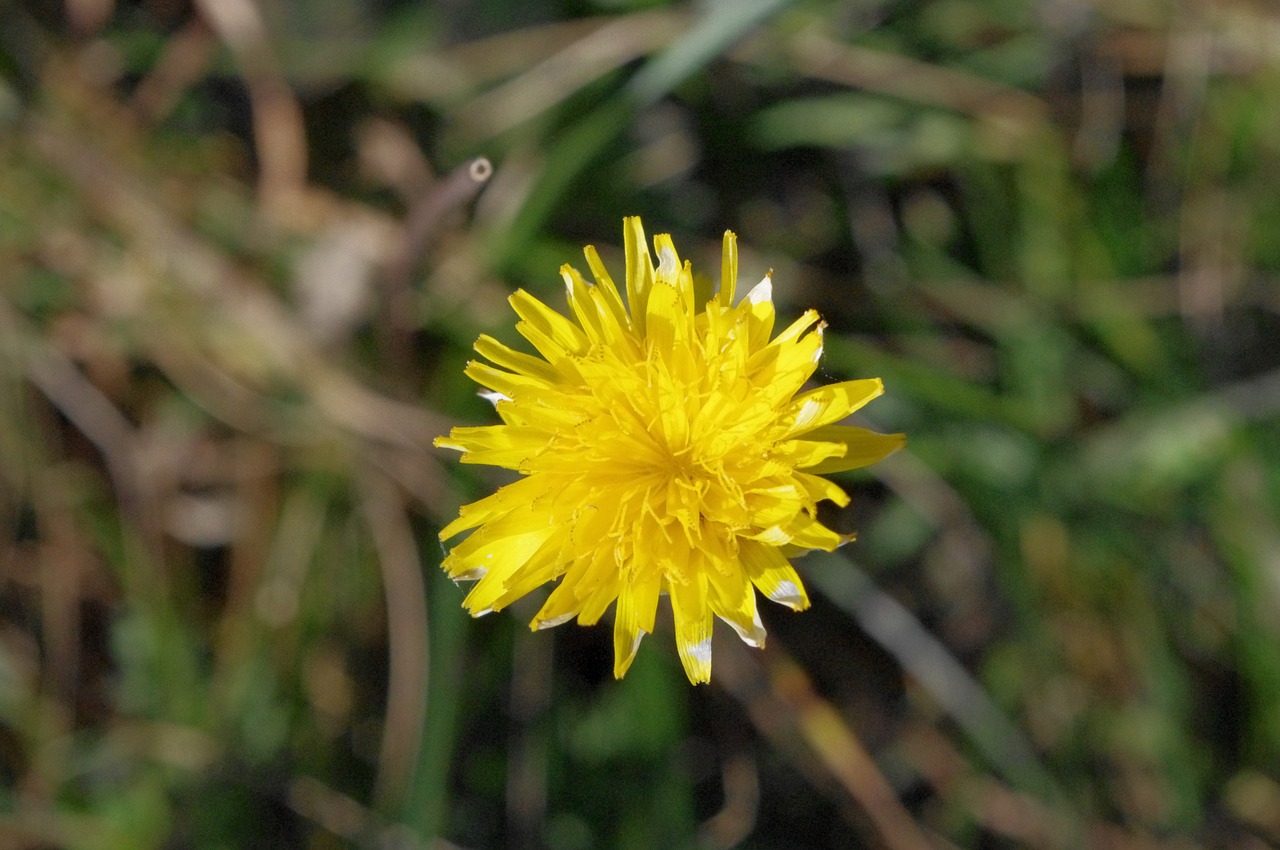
663	448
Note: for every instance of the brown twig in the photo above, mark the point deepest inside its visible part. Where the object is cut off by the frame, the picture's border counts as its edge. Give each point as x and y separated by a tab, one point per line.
426	221
730	826
86	17
992	804
931	665
407	642
782	705
213	280
279	138
429	216
85	406
187	55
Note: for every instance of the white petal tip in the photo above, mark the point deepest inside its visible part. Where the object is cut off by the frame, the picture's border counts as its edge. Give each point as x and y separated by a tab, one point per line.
620	665
667	263
494	397
701	651
762	291
552	622
754	636
786	593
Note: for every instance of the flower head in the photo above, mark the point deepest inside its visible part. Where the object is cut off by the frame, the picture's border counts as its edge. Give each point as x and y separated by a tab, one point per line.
664	448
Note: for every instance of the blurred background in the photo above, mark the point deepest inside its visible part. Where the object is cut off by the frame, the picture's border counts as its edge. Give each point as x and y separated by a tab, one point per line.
245	246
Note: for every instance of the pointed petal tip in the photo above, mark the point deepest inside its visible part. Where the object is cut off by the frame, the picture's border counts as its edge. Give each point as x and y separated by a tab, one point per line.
667	262
621	661
762	291
451	530
696	658
788	593
551	622
753	636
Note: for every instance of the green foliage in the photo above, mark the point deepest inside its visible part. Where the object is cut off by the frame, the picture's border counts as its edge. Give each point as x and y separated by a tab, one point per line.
238	287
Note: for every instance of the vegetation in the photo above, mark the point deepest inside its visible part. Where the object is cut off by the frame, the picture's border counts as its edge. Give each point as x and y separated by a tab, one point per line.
245	248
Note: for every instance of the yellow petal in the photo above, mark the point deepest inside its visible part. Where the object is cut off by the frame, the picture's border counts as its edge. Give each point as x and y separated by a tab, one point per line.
639	270
807	533
594	606
633	619
692	617
781	370
613	300
820	488
522	493
496	445
501	557
664	320
729	269
757	312
513	524
733	600
561	606
553	335
774	506
773	575
498	589
668	270
515	361
796	329
862	448
615	326
832	403
508	384
578	294
807	453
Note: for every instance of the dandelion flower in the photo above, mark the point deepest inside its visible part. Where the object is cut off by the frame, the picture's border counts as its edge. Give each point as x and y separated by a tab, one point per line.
665	447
